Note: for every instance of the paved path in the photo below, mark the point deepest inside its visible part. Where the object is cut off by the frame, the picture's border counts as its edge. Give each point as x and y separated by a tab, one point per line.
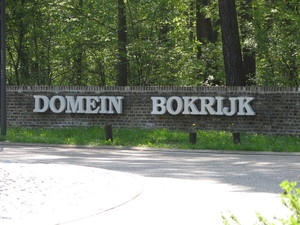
59	185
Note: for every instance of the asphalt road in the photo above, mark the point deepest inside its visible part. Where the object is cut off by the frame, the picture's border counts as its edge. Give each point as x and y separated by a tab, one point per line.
178	187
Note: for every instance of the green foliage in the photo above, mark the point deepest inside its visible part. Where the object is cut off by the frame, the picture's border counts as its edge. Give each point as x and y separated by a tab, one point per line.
76	42
290	199
277	37
160	138
231	220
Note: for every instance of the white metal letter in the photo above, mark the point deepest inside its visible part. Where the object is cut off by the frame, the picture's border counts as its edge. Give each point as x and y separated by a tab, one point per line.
207	105
189	105
91	106
115	102
220	106
158	105
232	106
103	107
244	106
170	106
38	105
62	104
75	106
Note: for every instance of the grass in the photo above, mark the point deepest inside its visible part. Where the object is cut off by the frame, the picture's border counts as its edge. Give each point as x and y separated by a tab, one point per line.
158	138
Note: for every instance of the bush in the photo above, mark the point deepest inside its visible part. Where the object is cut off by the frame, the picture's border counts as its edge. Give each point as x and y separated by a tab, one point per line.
290	199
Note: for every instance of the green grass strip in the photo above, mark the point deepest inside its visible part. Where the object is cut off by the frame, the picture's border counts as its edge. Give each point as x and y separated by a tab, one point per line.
156	138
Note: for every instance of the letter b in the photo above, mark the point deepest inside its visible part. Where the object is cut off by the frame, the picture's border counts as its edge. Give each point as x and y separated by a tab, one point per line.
158	105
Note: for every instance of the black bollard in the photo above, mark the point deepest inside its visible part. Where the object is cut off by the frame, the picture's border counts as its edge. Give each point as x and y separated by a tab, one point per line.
193	138
108	133
236	137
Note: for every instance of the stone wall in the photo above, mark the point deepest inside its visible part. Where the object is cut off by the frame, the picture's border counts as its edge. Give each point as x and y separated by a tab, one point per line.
277	109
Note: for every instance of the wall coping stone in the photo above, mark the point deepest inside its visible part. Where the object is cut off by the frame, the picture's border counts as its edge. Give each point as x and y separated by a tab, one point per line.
257	89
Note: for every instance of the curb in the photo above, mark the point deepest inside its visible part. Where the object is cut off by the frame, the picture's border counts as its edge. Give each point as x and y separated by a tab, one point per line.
192	151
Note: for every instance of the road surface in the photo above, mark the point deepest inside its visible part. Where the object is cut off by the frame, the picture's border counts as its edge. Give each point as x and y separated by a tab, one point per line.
141	186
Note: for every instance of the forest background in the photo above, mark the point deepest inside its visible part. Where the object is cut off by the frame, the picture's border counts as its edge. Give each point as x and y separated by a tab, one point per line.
153	42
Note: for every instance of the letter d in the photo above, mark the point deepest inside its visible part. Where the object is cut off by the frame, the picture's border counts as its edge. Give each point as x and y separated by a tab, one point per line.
38	105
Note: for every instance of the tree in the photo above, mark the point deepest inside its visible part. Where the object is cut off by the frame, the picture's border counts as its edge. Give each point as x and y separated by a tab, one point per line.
206	33
122	44
78	47
160	51
204	26
248	47
231	43
278	42
157	42
30	42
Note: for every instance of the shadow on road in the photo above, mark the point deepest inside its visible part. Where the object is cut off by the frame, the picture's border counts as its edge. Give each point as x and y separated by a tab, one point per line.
254	173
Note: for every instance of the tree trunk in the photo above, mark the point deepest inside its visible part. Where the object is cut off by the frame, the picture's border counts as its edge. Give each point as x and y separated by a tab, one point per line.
22	58
231	43
78	55
122	42
249	62
204	28
205	32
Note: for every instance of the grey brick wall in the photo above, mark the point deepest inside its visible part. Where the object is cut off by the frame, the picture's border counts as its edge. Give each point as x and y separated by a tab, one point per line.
277	109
